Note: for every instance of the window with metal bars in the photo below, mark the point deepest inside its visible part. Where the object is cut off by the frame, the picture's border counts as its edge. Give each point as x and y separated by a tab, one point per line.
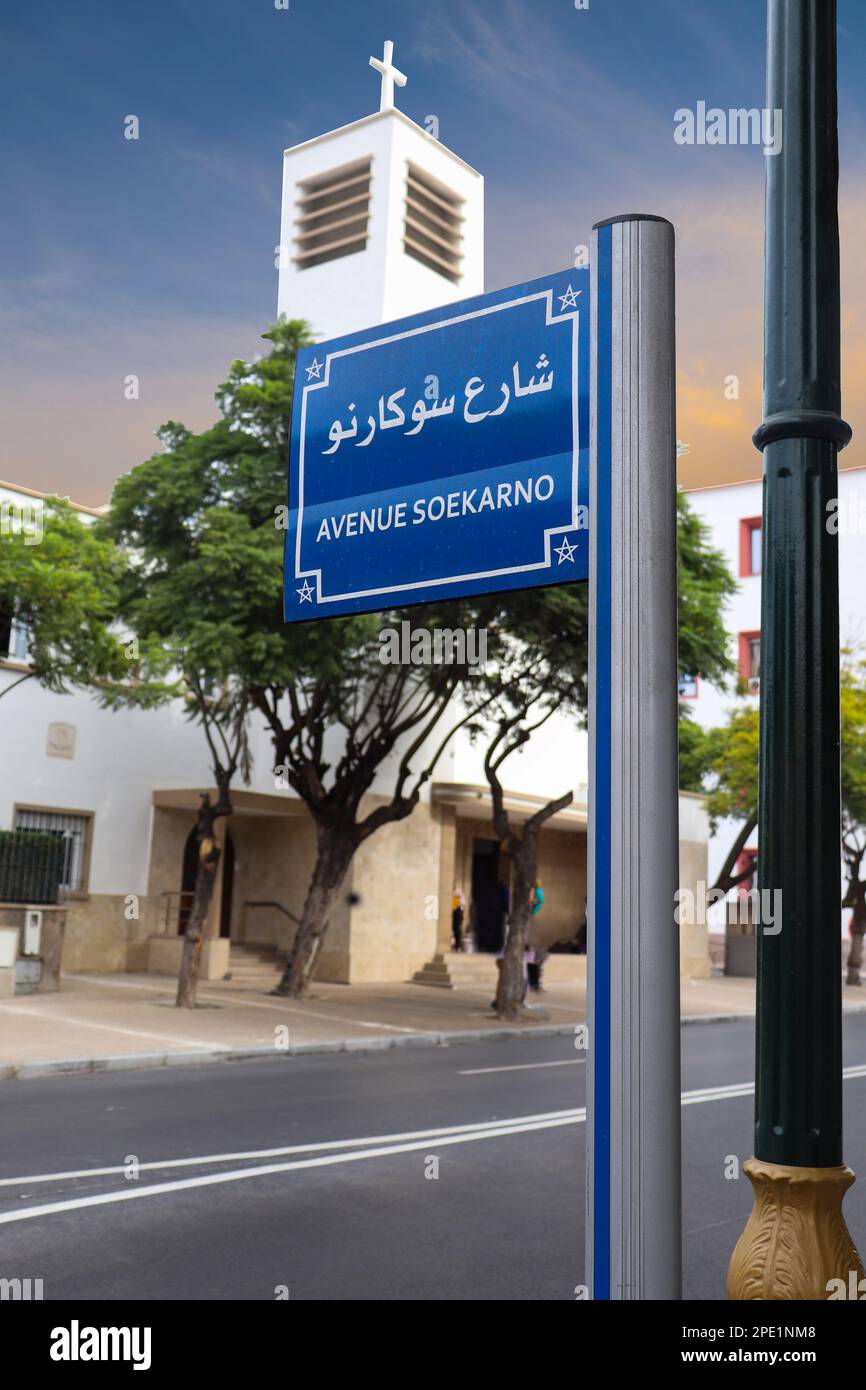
333	215
434	219
72	833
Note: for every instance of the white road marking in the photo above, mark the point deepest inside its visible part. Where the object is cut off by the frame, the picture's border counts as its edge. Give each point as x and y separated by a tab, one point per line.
525	1066
747	1088
368	1140
457	1134
240	1174
743	1088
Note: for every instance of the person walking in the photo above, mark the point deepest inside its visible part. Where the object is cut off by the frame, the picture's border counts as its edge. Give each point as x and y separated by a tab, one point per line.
537	951
504	894
458	912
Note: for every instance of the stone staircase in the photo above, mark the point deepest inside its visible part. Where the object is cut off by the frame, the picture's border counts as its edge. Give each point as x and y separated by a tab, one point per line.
255	967
435	973
477	970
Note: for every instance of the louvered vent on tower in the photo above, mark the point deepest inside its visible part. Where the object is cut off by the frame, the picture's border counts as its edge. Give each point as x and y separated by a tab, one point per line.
434	218
333	214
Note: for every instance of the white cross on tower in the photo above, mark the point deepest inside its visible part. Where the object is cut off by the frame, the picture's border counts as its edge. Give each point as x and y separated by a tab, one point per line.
390	75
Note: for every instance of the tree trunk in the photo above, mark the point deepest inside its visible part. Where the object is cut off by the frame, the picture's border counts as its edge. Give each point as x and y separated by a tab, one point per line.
208	863
858	929
727	879
205	878
333	857
512	975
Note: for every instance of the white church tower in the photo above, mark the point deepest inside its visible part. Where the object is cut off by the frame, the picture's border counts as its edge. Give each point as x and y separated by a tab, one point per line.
379	220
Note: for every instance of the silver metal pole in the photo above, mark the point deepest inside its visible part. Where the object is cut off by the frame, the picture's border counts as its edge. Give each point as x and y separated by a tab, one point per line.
633	1073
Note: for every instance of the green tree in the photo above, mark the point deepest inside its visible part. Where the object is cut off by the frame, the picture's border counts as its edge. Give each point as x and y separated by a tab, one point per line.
220	707
203	529
544	669
705	584
733	792
539	668
697	747
59	585
196	524
405	712
726	766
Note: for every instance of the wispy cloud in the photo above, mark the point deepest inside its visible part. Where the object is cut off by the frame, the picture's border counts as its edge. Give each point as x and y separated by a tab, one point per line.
516	61
231	173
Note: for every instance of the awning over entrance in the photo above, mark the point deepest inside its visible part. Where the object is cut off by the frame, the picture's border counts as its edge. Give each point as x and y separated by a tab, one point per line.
472	801
245	803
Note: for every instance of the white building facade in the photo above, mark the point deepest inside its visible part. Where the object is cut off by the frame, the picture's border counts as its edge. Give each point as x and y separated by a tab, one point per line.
733	515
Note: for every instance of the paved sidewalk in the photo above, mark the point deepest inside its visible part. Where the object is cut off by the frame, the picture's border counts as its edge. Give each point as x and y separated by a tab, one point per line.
126	1016
114	1021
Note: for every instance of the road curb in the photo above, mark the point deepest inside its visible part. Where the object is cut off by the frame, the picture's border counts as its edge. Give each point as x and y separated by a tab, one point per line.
139	1061
147	1061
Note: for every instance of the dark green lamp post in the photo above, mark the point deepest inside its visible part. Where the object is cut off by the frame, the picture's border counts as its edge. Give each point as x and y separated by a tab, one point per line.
796	1240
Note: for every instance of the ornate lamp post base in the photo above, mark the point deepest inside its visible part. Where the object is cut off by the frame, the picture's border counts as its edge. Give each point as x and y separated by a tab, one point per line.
795	1241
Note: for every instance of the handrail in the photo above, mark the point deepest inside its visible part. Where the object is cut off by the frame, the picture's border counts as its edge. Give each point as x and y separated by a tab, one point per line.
280	908
180	894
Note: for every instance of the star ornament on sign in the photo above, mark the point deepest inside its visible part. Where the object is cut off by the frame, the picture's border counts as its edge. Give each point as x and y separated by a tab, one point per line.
305	594
569	299
565	551
314	373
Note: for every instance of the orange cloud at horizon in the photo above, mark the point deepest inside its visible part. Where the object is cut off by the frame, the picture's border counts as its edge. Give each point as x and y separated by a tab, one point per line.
720	333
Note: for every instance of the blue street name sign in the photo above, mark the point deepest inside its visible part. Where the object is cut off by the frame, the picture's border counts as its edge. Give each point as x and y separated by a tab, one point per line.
442	455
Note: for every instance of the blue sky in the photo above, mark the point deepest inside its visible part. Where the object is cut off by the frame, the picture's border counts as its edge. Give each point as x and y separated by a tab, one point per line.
156	256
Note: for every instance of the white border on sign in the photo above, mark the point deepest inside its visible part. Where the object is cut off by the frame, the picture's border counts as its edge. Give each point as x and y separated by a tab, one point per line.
411	333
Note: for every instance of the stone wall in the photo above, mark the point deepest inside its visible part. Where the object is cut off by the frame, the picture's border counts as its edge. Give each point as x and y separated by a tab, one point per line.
396	878
694	939
274	858
169	834
562	874
99	937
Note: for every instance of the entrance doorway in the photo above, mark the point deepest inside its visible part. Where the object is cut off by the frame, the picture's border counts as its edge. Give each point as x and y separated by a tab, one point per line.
187	884
489	895
187	881
228	885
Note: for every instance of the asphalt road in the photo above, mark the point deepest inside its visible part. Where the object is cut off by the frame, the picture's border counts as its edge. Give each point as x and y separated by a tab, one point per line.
364	1219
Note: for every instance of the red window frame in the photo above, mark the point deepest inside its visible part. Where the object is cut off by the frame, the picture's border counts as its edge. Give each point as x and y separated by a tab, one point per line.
744	639
747	526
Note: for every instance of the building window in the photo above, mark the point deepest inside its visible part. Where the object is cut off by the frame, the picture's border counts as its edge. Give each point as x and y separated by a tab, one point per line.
751	534
13	636
333	215
434	219
74	830
688	687
750	660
